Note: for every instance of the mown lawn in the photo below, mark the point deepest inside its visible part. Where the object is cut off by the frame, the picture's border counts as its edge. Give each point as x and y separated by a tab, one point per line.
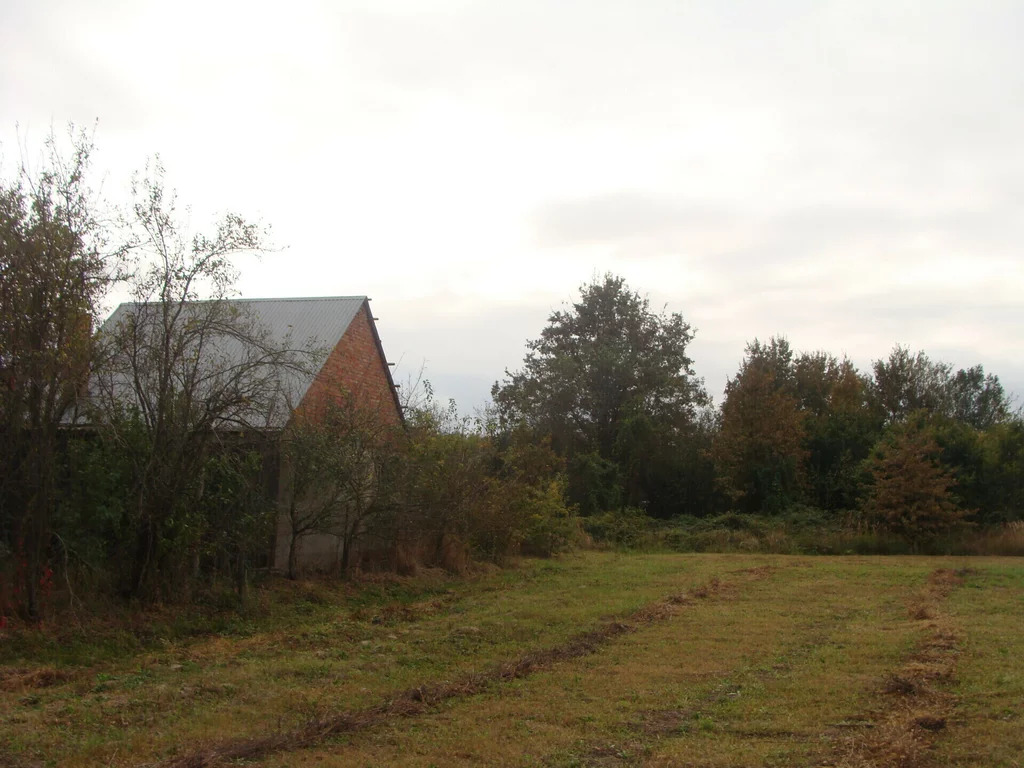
591	659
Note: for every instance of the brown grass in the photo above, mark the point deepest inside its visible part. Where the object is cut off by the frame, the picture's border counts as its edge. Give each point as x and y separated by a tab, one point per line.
16	680
1007	540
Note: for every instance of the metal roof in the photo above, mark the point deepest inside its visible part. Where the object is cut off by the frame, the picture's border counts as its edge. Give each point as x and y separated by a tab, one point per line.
311	326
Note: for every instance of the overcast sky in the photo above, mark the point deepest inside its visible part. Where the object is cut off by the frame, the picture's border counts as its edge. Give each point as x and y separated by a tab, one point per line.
850	175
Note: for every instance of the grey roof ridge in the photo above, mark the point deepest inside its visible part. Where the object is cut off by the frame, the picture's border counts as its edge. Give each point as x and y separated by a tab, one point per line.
263	298
301	298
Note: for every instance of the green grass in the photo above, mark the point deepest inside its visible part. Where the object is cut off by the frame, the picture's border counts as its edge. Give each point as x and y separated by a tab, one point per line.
768	668
990	688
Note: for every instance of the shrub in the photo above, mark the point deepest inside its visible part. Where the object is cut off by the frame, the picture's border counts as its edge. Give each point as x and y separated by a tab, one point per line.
551	527
500	495
910	496
627	527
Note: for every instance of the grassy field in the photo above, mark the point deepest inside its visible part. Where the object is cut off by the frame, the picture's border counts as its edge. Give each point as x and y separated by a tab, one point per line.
594	659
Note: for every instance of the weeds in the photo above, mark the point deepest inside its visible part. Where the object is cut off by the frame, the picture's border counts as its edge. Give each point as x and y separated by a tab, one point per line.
802	531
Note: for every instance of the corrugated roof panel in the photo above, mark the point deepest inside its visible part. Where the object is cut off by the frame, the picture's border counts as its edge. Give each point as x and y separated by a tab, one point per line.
307	325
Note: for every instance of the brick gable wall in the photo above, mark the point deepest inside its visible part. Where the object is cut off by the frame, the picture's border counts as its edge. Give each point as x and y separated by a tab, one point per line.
355	369
354	373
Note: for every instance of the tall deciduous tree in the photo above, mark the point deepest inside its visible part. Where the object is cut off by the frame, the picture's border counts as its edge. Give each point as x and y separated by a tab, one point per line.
977	399
1002	477
760	446
906	383
604	373
840	424
53	273
181	366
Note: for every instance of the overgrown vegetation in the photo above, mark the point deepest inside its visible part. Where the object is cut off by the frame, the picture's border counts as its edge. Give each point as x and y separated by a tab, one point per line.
916	456
53	273
141	461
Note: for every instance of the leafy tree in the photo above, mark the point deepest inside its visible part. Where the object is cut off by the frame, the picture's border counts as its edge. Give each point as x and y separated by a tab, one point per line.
447	486
988	466
977	399
906	383
595	483
54	271
93	519
760	446
607	376
667	469
956	409
340	477
238	514
840	426
469	488
910	495
1002	471
529	480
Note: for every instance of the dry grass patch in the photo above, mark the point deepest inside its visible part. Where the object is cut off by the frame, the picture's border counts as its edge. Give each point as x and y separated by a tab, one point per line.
18	680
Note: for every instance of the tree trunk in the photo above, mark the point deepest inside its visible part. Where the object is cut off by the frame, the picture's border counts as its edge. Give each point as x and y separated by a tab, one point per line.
293	543
293	557
242	580
346	551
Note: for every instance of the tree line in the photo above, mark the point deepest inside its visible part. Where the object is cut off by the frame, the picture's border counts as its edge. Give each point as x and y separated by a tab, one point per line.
136	460
913	447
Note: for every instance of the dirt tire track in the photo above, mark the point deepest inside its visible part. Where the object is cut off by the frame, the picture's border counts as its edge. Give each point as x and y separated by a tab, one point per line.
894	737
912	711
420	700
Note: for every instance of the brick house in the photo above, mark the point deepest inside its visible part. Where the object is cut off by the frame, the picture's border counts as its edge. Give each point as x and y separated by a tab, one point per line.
340	335
355	364
343	327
